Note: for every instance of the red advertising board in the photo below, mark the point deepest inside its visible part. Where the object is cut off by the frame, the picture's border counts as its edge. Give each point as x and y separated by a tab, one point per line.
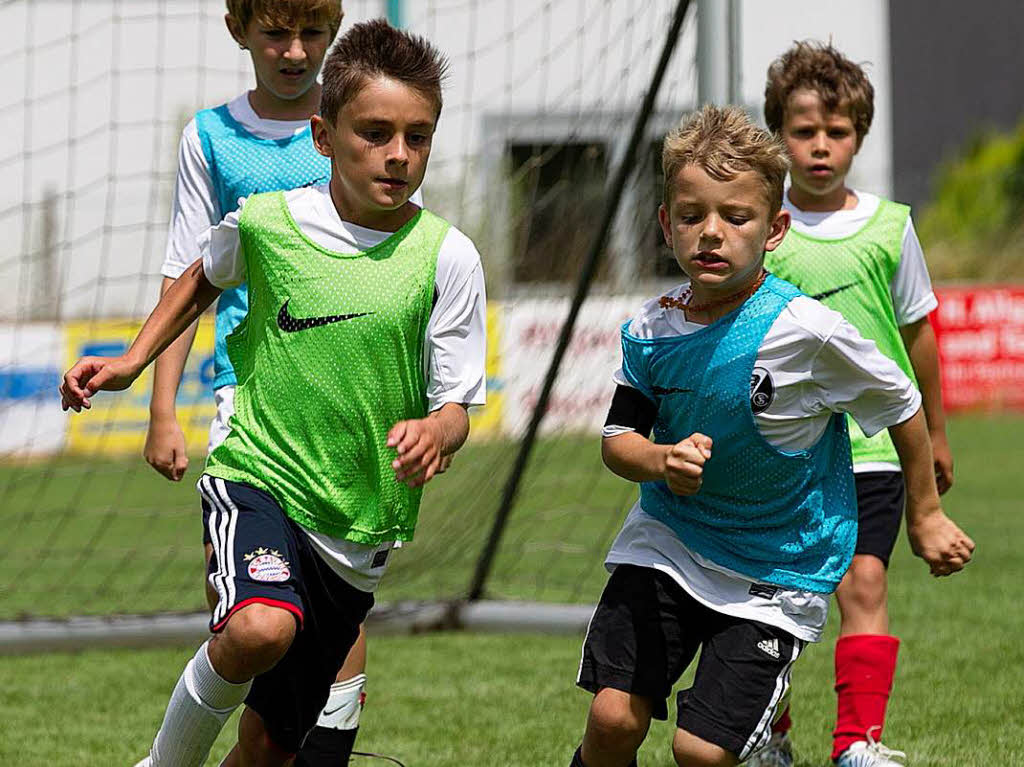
980	331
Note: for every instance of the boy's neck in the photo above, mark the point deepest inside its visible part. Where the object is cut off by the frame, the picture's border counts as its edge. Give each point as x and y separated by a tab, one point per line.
704	307
270	107
379	220
842	198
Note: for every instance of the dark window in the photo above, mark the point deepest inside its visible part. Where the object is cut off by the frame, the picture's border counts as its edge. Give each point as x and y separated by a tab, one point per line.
557	194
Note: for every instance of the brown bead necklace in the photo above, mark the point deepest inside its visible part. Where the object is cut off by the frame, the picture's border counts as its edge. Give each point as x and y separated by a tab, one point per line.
671	302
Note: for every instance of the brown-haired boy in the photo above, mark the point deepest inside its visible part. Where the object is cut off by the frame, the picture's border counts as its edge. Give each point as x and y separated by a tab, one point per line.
746	518
858	254
259	141
362	346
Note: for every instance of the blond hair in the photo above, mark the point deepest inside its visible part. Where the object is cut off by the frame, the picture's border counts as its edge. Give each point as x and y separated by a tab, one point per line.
286	14
724	143
840	84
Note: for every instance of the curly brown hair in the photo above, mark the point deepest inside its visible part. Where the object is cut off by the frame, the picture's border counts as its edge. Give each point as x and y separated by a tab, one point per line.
839	82
724	142
376	49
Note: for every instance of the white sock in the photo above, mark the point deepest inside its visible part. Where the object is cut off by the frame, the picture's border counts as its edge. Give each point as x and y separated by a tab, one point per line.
344	704
200	704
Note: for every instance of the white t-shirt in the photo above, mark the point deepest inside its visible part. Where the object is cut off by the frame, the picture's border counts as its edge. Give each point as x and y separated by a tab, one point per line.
195	207
911	287
455	350
811	364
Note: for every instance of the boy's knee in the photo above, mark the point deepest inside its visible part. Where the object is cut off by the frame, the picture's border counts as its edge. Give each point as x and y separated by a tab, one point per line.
866	584
691	751
258	635
618	717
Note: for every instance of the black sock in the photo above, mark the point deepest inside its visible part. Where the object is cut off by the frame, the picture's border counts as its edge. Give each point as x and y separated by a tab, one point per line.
326	747
577	759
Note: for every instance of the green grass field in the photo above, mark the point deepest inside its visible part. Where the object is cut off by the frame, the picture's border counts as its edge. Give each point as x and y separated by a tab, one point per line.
456	699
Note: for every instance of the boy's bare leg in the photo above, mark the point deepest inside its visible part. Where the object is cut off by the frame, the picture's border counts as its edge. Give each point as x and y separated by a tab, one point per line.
254	748
216	681
616	726
691	751
863	597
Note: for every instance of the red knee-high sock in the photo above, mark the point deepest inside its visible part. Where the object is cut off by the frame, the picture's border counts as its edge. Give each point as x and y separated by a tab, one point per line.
865	664
783	723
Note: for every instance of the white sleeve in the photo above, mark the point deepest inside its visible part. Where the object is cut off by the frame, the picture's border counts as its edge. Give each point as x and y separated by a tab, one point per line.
457	330
221	251
911	287
194	209
850	375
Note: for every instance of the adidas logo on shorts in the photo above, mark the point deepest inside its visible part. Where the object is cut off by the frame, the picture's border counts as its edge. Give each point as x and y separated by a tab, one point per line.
770	646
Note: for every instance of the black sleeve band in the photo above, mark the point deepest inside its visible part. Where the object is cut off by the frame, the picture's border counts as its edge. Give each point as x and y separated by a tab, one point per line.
632	410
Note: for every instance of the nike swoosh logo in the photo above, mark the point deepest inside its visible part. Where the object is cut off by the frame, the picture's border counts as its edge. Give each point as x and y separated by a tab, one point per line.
827	293
670	390
290	324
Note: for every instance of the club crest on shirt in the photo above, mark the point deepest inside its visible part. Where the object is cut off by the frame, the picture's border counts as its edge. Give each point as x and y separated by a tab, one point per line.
762	390
267	565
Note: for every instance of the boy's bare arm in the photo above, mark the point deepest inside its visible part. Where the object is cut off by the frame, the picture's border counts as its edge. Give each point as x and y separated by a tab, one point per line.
919	340
933	536
165	448
178	308
637	459
421	444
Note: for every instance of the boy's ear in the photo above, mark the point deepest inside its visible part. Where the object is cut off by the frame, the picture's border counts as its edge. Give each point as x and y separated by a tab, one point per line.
321	136
235	30
666	224
777	230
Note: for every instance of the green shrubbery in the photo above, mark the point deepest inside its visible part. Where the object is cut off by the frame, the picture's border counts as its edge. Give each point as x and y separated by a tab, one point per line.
974	228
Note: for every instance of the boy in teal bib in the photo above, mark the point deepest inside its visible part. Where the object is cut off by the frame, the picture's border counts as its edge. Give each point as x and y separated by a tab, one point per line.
355	297
746	519
859	255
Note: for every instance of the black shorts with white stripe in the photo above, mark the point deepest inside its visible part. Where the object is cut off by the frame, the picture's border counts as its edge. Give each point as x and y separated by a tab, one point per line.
647	629
261	556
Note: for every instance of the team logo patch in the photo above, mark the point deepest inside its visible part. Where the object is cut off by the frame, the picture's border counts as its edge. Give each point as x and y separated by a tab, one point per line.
267	565
762	390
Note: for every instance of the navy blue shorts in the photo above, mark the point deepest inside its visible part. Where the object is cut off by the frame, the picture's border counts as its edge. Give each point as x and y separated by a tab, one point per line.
261	556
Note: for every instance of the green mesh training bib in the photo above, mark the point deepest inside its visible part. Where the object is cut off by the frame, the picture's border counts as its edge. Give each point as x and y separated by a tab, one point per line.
852	275
329	358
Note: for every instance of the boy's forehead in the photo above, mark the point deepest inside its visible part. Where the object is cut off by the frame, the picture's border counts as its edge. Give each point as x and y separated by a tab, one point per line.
382	98
807	102
694	184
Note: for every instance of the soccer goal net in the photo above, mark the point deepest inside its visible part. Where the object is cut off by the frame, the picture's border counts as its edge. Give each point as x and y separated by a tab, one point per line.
539	109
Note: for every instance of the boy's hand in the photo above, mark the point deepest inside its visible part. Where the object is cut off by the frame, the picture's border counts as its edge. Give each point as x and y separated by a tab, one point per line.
418	447
940	542
165	448
684	464
92	374
943	457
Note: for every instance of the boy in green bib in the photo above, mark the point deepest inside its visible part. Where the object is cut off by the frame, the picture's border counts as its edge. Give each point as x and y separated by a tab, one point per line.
859	255
362	347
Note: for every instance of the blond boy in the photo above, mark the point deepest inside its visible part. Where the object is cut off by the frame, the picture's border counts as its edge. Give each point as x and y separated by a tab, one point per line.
746	518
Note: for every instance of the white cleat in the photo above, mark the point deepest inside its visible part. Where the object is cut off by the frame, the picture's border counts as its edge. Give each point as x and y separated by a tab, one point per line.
871	753
777	753
147	762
